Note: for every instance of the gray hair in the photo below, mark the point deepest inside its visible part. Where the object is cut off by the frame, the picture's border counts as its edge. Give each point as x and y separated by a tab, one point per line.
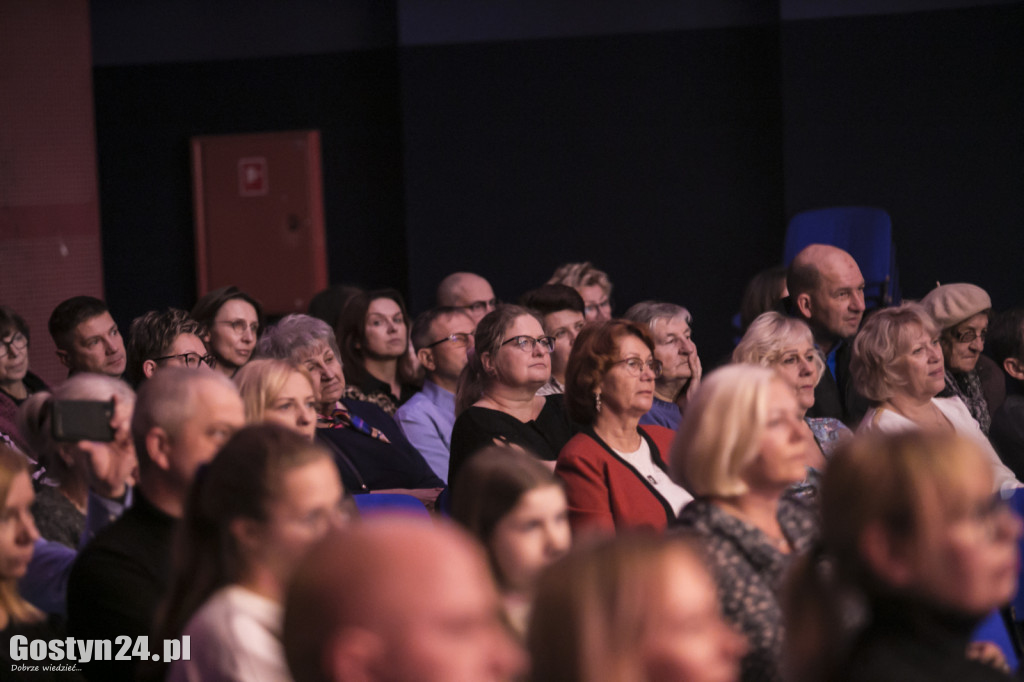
294	334
649	312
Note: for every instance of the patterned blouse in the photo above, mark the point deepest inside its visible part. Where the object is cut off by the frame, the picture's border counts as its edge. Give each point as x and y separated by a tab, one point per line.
749	571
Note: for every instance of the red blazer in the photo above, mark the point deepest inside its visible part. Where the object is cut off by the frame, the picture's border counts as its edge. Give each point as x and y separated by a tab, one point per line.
605	493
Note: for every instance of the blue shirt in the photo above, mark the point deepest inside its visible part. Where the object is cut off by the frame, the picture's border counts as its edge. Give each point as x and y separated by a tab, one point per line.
427	419
663	413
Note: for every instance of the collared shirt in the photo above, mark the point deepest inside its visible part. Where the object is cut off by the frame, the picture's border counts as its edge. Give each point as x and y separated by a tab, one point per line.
427	420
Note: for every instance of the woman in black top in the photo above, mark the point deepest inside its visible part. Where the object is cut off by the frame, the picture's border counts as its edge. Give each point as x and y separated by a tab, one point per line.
497	401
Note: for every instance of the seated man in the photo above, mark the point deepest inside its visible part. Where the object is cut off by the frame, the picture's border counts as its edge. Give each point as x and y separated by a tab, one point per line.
442	338
561	314
401	602
181	419
170	338
1006	343
468	291
593	286
87	338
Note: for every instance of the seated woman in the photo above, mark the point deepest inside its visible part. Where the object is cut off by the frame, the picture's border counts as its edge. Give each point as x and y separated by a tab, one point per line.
614	470
638	608
742	445
681	370
369	448
497	402
592	285
897	364
962	312
914	552
786	345
516	508
71	469
278	391
233	320
17	383
373	333
266	497
763	293
18	535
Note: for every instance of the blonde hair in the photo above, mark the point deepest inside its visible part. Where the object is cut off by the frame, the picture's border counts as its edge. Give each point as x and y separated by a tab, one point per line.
721	431
579	275
260	382
885	337
591	612
768	338
12	465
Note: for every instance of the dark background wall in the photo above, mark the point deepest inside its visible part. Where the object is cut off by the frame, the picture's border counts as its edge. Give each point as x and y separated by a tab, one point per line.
667	142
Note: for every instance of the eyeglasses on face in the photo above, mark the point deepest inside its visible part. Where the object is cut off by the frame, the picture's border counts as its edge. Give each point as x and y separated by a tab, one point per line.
239	326
17	342
528	343
969	335
636	366
192	360
481	306
458	340
594	308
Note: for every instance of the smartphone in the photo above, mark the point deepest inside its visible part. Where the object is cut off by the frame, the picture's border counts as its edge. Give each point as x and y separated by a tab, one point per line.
75	420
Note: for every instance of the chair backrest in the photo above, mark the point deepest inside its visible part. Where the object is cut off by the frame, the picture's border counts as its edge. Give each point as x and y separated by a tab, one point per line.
863	232
997	629
389	503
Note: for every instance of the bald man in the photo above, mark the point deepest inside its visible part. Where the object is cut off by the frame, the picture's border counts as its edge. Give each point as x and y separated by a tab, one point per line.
826	290
468	291
397	601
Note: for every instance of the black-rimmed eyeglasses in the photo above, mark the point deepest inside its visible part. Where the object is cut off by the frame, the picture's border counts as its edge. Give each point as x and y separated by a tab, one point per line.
192	360
458	340
528	343
18	342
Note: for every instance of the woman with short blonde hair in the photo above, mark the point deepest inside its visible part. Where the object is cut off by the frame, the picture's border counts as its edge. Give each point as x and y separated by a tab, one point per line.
278	391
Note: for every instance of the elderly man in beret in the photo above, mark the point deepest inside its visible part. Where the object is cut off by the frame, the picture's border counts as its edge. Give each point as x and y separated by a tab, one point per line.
962	311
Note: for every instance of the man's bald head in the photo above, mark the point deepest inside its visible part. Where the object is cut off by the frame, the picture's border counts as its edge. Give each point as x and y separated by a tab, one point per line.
827	289
469	291
396	600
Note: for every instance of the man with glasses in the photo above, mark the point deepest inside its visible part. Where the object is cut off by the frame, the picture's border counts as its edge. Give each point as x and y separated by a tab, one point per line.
442	338
87	338
169	338
468	291
560	308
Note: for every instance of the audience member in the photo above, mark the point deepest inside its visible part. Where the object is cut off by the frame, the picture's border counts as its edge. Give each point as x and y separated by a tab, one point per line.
87	338
369	448
74	468
961	311
397	601
785	344
164	339
897	364
516	508
181	419
680	365
17	383
442	338
593	286
233	321
561	314
764	293
1006	343
266	497
741	446
637	608
327	305
497	401
614	470
914	552
826	290
277	391
468	291
373	338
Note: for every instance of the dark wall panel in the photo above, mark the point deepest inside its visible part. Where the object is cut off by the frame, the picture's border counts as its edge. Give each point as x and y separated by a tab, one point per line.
146	114
922	114
658	157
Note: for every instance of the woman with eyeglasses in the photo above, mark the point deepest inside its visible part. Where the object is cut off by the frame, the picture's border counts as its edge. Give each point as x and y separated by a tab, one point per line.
17	383
614	471
373	336
497	402
233	320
